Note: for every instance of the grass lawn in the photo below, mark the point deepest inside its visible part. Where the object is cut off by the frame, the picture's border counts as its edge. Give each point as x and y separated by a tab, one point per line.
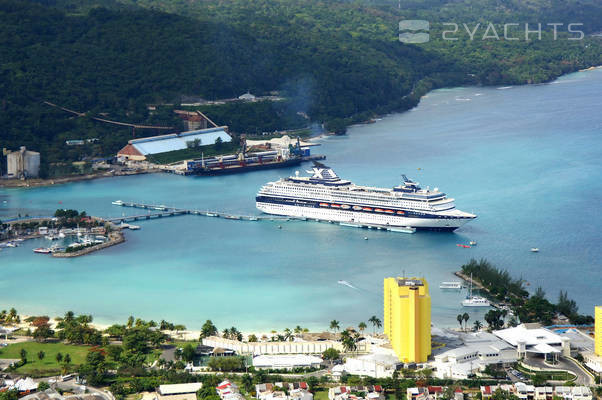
48	365
321	395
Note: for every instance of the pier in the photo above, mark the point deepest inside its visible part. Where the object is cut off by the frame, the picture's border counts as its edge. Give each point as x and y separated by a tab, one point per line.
162	211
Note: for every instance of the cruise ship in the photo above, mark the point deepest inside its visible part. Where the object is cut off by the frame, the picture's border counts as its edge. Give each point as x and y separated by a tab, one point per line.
325	196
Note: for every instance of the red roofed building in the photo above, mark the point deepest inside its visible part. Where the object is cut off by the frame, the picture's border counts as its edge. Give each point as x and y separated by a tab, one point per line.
129	152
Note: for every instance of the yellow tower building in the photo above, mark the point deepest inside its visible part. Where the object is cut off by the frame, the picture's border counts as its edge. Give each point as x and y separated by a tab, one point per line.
598	331
407	319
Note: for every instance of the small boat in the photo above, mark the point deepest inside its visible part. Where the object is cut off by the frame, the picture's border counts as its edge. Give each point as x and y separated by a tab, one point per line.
474	301
279	226
117	203
367	209
56	248
51	237
472	243
450	285
378	210
42	250
232	217
349	224
345	207
365	237
210	214
335	205
534	250
390	211
401	212
62	235
11	244
324	204
253	219
357	208
463	246
134	227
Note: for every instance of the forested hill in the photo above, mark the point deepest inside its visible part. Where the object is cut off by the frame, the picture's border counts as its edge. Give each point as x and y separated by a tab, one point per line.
338	62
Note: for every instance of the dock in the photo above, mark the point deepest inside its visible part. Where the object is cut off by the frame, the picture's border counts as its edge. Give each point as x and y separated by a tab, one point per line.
162	211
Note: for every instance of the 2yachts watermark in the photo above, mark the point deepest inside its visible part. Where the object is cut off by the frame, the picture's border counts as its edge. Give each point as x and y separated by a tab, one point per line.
418	31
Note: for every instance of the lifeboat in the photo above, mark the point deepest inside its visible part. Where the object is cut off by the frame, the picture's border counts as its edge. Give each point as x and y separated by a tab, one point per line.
335	205
357	208
463	246
367	209
324	204
400	212
345	207
379	210
390	211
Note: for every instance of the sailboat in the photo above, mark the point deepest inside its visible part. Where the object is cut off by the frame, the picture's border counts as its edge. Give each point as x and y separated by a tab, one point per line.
474	301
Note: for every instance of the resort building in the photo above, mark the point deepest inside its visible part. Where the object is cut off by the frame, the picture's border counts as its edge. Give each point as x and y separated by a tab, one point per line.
138	149
593	359
381	363
295	347
288	361
532	339
407	318
472	356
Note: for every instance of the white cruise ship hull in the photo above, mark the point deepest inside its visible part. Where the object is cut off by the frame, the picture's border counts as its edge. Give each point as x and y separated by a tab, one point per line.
348	216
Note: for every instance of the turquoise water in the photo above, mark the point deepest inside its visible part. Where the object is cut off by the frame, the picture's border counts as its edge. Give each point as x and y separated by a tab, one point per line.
526	159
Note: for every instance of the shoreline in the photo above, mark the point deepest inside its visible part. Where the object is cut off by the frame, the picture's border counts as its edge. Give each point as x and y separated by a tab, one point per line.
31	183
15	183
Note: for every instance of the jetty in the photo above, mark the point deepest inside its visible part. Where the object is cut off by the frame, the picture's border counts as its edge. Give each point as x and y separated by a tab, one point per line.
162	211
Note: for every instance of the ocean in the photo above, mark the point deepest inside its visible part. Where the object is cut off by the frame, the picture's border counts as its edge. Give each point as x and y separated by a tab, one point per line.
527	160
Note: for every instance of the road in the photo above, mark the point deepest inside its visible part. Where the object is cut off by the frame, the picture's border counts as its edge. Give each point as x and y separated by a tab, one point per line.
563	364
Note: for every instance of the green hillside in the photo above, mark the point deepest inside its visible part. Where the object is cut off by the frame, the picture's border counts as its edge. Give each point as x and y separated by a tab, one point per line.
338	62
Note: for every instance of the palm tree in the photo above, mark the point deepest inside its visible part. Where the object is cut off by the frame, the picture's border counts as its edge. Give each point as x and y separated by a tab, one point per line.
465	317
287	334
41	355
59	357
460	319
334	325
362	326
226	333
375	322
477	325
298	330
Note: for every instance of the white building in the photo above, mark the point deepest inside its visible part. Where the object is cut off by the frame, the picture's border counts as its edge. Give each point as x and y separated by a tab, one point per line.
23	163
138	149
286	361
476	352
535	340
380	364
180	391
296	347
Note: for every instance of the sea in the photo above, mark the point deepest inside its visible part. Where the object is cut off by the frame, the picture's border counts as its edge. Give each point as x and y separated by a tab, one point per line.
526	159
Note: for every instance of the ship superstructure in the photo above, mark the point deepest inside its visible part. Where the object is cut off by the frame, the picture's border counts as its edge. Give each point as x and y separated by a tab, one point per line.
325	196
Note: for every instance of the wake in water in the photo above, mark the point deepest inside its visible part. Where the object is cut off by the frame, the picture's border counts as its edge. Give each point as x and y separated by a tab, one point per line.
345	283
